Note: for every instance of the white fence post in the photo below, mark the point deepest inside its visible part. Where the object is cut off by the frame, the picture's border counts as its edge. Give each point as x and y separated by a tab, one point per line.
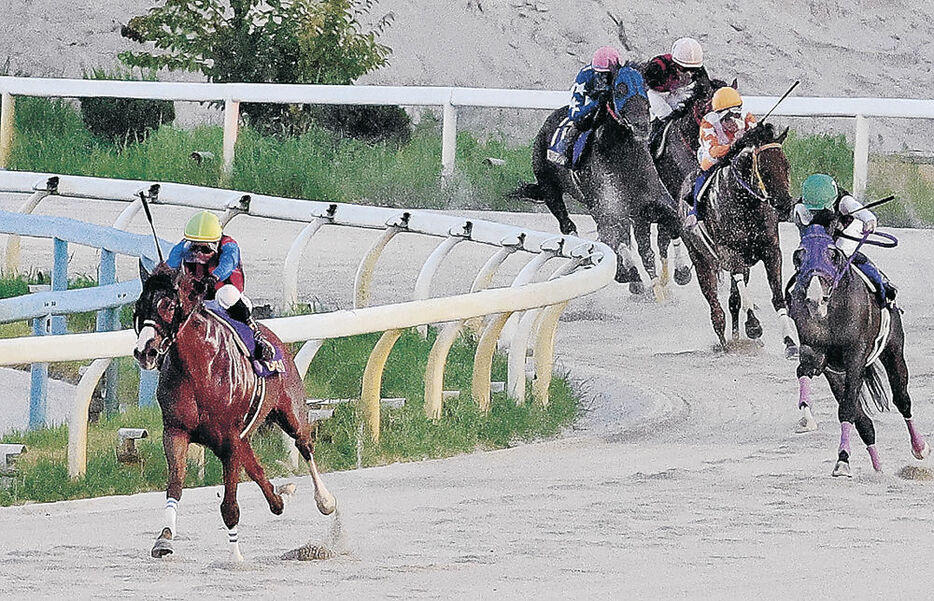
861	157
231	129
448	140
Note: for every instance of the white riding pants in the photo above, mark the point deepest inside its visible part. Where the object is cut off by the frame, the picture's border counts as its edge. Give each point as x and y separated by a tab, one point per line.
228	295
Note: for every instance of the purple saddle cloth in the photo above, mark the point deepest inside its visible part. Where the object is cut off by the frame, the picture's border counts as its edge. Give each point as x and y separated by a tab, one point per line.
246	341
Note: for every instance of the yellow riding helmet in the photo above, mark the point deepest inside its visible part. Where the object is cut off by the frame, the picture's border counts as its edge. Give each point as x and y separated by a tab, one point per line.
203	227
726	98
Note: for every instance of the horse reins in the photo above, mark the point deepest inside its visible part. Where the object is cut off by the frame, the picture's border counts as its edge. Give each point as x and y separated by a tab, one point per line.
763	193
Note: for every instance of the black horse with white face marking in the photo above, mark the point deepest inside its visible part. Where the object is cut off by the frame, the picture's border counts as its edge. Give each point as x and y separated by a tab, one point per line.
616	179
851	339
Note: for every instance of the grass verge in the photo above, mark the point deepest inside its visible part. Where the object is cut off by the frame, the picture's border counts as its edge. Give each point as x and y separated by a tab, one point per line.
406	435
318	165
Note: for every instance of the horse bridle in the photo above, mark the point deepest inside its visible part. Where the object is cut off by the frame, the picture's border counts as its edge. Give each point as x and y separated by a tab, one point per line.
763	194
168	338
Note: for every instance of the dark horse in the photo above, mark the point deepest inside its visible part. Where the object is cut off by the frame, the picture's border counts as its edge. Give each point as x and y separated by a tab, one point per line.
851	339
206	392
675	148
616	179
740	228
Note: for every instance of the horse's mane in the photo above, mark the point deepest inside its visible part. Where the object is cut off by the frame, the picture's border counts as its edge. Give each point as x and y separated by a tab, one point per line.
757	136
161	278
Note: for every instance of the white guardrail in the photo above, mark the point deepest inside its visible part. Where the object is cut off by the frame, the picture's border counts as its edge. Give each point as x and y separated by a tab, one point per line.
534	303
232	94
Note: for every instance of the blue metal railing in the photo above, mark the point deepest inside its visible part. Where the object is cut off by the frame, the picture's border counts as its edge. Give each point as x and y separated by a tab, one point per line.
48	309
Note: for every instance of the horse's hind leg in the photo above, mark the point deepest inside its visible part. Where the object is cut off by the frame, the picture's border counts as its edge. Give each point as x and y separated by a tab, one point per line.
230	510
554	200
255	471
301	432
175	444
893	359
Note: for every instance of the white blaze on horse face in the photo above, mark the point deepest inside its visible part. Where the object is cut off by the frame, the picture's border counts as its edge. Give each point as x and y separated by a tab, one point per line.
145	335
815	294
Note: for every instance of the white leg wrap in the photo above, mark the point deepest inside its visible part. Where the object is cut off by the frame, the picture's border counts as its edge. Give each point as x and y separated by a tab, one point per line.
171	507
625	254
233	539
741	286
680	258
788	326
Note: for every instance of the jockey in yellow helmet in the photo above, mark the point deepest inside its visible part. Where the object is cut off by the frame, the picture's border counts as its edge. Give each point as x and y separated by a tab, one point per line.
204	243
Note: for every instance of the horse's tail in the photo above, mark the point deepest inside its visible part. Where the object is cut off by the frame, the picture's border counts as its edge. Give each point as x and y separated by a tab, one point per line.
874	396
529	192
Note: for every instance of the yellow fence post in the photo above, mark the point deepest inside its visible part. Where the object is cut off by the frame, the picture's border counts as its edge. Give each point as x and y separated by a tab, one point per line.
6	129
78	426
373	380
544	354
364	277
483	360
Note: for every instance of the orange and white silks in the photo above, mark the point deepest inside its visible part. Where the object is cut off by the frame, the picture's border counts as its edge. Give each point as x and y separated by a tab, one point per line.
718	133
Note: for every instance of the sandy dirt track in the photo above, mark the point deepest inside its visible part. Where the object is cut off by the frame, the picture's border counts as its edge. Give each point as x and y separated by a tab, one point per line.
683	480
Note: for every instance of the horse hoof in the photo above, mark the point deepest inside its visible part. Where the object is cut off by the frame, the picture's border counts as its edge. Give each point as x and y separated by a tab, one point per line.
753	328
683	275
842	469
162	547
806	424
636	287
286	490
921	453
665	276
326	503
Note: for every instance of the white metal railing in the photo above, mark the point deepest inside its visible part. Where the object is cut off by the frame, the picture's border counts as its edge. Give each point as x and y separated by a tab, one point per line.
586	267
449	98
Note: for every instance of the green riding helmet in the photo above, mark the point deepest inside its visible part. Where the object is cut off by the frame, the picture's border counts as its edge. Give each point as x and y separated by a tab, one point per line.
819	192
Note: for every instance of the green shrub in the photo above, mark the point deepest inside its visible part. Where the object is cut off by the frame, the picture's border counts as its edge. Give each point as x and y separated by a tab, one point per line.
262	41
124	120
369	123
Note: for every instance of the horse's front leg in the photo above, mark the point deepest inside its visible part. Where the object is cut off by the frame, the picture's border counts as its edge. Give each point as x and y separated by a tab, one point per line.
752	325
642	229
175	444
734	304
230	510
707	280
773	271
614	232
846	388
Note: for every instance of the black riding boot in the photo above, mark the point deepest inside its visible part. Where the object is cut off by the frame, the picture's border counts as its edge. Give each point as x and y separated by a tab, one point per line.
264	351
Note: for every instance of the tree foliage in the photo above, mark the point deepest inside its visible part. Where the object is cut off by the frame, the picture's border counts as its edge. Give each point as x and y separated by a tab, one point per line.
261	41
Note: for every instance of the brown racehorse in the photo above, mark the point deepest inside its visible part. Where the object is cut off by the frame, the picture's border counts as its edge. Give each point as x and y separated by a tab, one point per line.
206	392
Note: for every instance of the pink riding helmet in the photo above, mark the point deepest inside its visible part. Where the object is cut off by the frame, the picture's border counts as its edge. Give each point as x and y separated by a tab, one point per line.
605	58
